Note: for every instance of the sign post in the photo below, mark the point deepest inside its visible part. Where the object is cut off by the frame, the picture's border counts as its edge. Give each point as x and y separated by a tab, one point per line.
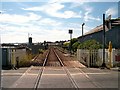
110	50
103	64
0	66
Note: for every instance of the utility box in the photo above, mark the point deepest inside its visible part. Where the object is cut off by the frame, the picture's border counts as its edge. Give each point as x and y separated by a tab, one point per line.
6	57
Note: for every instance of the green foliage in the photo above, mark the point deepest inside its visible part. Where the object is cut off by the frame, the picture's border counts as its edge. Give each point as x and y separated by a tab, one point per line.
41	51
90	44
25	61
66	44
75	46
73	41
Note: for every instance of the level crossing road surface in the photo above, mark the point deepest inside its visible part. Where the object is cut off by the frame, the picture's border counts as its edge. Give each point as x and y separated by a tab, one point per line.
58	71
56	77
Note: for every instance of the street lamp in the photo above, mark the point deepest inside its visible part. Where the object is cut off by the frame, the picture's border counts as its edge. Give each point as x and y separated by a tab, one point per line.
82	28
70	46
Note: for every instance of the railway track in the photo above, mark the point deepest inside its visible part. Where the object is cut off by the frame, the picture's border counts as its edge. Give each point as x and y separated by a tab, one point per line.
53	59
52	71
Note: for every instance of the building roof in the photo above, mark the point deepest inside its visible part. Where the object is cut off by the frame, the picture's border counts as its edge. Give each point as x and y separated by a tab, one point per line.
113	23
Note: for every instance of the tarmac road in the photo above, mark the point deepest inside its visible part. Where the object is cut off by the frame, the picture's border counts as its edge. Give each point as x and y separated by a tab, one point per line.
53	77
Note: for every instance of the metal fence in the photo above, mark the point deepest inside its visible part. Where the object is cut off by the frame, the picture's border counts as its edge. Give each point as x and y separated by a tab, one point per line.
94	58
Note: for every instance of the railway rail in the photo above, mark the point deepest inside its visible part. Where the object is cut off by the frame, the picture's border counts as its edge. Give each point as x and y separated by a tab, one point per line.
53	71
55	60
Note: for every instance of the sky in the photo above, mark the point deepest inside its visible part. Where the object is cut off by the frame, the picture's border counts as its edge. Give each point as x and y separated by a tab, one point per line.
50	20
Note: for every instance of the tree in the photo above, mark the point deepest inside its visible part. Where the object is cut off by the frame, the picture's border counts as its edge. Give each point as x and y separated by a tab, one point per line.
90	44
73	41
75	46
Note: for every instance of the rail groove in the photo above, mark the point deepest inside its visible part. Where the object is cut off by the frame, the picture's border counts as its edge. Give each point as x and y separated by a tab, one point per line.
40	72
61	64
67	72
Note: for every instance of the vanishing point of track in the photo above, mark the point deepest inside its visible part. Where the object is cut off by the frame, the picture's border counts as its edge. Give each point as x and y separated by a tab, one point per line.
52	59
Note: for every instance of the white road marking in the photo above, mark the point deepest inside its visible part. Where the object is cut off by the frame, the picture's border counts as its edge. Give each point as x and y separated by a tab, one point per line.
17	82
7	74
96	84
54	74
90	73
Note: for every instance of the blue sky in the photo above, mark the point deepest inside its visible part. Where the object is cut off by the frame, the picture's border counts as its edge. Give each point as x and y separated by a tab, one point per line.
52	19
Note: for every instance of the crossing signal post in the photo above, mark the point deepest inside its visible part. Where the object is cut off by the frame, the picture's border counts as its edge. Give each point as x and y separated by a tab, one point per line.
103	64
0	64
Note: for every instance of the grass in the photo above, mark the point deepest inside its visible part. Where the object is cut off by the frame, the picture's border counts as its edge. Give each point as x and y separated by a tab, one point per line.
25	61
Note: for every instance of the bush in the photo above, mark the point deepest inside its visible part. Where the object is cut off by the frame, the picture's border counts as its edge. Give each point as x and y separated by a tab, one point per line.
75	46
73	41
90	44
66	45
25	61
41	51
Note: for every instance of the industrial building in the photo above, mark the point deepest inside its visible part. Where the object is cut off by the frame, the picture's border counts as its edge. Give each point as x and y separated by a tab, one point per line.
35	47
11	53
112	33
15	51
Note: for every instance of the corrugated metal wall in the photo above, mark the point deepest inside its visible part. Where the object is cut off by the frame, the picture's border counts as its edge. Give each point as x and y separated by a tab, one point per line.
111	35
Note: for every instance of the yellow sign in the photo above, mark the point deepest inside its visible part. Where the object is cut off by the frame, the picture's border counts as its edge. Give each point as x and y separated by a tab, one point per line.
110	46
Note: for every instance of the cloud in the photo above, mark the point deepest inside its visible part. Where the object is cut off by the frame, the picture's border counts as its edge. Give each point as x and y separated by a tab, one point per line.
80	1
111	11
60	0
14	18
66	1
60	34
48	21
46	28
12	34
88	14
53	9
2	11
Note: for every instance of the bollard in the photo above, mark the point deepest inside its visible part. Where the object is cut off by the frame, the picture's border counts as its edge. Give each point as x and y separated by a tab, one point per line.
17	62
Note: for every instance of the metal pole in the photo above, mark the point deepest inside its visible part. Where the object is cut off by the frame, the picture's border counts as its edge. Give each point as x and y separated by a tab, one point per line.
70	43
0	67
70	46
0	58
82	28
0	63
103	65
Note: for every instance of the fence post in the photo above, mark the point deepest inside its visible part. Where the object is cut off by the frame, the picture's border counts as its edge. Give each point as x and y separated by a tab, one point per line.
78	54
88	59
